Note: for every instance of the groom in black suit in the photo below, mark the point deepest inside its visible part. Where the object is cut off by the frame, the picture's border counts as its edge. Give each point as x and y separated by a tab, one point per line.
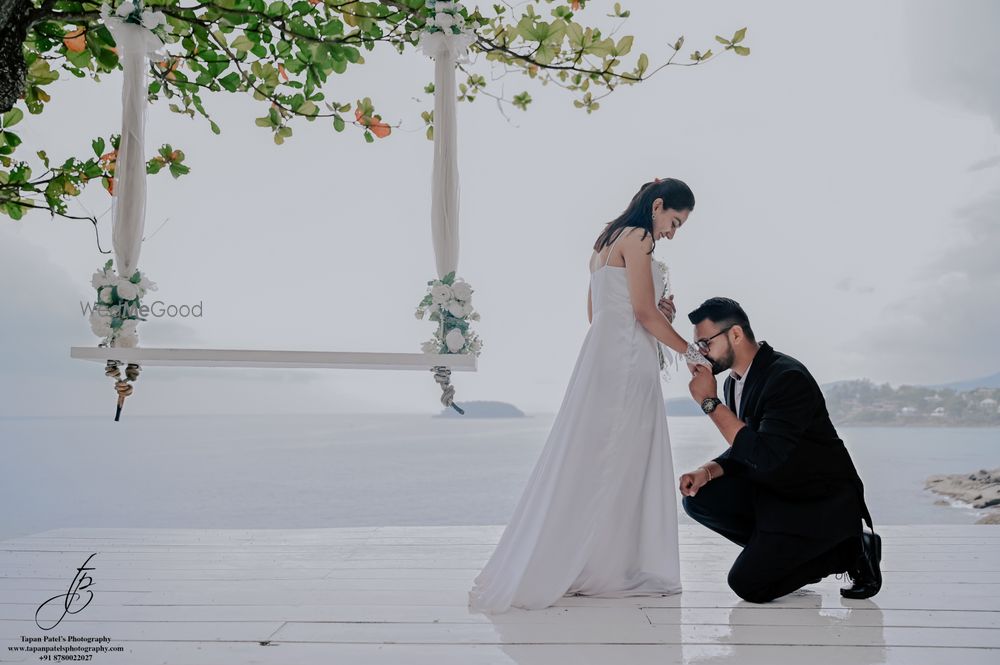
786	490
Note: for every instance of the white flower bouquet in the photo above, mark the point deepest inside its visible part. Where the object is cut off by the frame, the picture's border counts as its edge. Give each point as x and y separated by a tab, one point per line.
132	11
447	17
662	353
116	312
449	303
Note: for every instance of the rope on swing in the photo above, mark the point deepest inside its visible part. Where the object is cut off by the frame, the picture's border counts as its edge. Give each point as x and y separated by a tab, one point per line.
442	375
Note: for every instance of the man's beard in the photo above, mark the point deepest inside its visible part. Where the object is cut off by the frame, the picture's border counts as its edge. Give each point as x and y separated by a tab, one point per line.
723	363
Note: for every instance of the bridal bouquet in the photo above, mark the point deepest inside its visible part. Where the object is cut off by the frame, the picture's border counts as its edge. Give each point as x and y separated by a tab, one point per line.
116	311
449	302
660	351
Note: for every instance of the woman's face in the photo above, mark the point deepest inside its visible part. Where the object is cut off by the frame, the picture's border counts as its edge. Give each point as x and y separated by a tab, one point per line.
667	221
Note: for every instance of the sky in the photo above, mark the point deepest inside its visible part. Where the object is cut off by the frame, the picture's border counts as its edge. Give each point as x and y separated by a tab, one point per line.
846	183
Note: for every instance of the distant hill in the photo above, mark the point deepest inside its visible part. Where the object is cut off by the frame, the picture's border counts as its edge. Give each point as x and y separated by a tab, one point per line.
865	403
482	409
992	381
984	382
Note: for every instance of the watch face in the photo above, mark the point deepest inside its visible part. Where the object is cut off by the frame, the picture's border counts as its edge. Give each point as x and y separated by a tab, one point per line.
709	405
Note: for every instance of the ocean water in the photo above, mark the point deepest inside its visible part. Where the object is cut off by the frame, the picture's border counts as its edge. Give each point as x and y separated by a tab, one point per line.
285	471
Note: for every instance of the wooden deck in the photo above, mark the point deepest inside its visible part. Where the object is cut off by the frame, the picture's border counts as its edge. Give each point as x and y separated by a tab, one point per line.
398	595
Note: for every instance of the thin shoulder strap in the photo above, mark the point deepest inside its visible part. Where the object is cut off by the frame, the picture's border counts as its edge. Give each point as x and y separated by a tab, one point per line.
612	248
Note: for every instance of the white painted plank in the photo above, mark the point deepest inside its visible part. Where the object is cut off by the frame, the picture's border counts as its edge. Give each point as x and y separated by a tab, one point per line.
464	362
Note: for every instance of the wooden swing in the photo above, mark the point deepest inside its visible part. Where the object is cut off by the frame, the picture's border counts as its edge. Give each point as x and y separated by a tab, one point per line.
446	42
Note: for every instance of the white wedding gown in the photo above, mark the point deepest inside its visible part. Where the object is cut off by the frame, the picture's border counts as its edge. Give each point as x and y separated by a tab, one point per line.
598	516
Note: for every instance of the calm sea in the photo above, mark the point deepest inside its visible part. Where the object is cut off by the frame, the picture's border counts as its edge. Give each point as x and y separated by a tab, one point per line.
337	470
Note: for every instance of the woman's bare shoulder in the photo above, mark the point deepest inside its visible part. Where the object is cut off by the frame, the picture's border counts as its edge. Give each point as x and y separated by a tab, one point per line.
637	236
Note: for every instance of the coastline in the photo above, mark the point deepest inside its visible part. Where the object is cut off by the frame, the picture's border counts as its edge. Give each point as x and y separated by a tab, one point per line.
978	491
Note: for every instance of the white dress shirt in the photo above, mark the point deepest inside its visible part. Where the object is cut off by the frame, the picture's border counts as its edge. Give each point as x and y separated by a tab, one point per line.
738	387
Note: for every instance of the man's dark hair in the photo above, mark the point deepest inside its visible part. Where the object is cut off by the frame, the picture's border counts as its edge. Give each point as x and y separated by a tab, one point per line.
724	311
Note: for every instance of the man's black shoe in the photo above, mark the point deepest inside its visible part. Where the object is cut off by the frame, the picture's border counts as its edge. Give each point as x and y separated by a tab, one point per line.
866	574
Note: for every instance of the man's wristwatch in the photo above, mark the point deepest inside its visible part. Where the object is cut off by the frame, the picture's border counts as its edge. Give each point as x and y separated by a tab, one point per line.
708	406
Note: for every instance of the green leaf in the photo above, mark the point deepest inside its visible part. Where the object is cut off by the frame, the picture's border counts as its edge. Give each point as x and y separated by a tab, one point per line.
338	123
741	50
177	170
230	81
308	108
10	139
241	45
12	117
624	45
98	146
722	40
14	210
739	35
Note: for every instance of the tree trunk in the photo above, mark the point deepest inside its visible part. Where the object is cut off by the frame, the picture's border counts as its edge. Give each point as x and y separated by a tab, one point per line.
15	18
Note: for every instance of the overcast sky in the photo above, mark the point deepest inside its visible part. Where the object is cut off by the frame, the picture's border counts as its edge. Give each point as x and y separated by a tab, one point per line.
845	174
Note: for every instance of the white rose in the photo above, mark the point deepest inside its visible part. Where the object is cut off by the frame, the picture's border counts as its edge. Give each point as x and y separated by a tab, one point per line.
475	346
466	309
474	316
430	346
462	291
100	323
455	340
105	295
419	313
125	8
440	294
128	340
128	327
456	308
101	278
127	290
444	20
145	283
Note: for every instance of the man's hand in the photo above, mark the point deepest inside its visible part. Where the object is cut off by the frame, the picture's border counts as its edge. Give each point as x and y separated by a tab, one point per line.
666	305
693	481
702	384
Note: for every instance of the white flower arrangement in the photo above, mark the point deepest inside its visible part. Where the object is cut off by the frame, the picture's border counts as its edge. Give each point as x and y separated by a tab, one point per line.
446	18
449	302
116	312
661	353
132	11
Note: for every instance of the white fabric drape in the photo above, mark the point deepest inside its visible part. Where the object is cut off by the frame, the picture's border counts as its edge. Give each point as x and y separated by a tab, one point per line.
128	207
446	49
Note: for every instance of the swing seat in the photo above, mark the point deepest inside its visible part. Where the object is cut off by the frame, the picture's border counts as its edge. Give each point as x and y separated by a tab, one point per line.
145	356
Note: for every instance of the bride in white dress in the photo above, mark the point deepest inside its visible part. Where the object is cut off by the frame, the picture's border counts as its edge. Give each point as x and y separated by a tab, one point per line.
598	516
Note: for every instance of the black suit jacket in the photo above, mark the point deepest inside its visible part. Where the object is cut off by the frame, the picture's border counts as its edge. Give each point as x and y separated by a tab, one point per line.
804	481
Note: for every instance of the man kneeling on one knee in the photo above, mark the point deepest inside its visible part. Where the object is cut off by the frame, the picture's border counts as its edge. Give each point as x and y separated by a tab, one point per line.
786	490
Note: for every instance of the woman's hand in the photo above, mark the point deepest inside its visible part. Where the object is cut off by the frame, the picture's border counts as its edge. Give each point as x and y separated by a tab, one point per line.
666	305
